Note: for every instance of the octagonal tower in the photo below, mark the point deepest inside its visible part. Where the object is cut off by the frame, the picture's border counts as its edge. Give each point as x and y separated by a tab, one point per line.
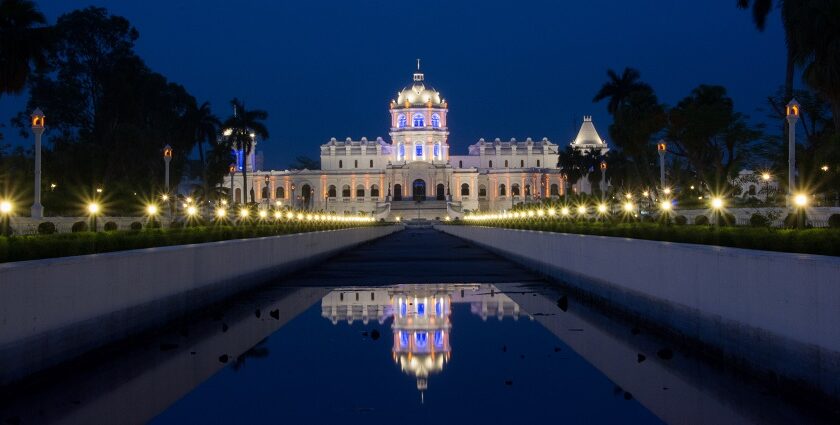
418	124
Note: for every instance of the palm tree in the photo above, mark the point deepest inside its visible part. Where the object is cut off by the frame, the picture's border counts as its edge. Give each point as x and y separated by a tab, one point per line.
204	127
619	88
242	129
760	10
22	44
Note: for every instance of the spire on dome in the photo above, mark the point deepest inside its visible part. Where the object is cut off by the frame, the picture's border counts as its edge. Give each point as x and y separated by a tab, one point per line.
418	76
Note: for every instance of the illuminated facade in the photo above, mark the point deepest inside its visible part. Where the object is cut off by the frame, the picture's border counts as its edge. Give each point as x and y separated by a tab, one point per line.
421	317
412	174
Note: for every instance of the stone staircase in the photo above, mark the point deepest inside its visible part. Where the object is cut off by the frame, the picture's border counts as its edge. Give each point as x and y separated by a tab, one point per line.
409	209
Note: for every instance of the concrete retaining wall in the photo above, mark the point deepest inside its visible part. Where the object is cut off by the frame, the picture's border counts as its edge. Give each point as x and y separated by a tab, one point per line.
775	312
53	310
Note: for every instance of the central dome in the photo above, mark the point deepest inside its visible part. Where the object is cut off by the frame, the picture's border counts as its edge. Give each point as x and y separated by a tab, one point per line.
418	95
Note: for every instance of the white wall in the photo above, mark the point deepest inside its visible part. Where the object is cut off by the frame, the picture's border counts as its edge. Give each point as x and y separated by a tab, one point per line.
775	311
52	310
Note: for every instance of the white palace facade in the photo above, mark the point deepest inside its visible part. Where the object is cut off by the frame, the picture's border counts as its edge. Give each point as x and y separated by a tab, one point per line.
413	174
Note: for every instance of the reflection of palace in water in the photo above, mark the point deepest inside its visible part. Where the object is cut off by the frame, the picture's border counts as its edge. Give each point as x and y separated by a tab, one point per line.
421	313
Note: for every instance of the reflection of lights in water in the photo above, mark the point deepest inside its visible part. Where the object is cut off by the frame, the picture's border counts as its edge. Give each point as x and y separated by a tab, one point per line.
414	322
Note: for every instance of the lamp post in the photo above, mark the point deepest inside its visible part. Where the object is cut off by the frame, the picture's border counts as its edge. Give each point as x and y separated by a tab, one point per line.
38	130
603	185
661	146
6	208
232	171
294	200
267	191
93	209
167	156
792	111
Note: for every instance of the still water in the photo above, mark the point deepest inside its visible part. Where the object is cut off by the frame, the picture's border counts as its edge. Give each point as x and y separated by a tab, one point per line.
491	353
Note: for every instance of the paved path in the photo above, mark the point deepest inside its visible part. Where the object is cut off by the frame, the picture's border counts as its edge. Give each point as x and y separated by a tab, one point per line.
415	255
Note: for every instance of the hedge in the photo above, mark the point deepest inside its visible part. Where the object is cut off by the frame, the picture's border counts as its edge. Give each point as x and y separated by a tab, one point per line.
33	247
825	241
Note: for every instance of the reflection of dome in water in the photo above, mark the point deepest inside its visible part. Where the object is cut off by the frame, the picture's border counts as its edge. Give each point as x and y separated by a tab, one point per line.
421	366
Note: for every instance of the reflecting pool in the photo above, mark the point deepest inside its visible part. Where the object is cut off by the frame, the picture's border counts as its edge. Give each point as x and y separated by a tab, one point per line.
413	353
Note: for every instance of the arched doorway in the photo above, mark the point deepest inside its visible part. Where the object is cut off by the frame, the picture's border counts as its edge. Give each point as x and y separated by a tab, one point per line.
418	190
306	193
398	192
440	192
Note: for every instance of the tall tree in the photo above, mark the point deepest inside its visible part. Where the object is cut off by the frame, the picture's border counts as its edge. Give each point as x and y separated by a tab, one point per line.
24	42
242	129
619	87
204	127
705	129
817	48
760	11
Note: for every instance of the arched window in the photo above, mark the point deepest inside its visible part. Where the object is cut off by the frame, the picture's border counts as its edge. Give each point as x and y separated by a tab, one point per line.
418	150
437	150
401	121
491	164
340	164
345	191
555	190
482	191
506	163
460	164
435	120
514	189
331	191
356	164
371	163
527	190
238	195
418	120
374	191
360	191
502	190
265	193
280	193
465	190
522	163
538	163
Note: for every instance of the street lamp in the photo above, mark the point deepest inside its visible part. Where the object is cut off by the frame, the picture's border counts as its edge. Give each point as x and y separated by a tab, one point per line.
6	209
167	156
37	210
93	209
792	112
603	176
717	205
800	201
232	171
267	191
661	147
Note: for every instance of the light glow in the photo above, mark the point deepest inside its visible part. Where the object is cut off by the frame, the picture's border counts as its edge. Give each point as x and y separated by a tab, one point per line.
221	213
628	206
717	203
151	209
93	208
800	200
5	207
192	211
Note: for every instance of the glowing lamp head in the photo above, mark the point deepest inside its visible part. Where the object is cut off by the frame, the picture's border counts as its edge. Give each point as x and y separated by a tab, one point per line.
602	208
221	213
825	168
765	176
38	119
792	109
645	193
628	207
224	201
192	211
263	214
717	203
628	196
167	152
666	191
278	215
243	213
800	200
666	206
164	197
603	165
398	219
189	200
581	210
564	211
661	146
278	204
93	208
232	169
227	132
5	207
151	209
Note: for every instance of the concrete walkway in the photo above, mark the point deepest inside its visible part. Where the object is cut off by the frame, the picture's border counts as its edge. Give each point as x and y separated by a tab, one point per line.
415	255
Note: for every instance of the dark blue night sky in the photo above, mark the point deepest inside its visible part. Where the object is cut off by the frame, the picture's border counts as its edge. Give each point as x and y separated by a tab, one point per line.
508	69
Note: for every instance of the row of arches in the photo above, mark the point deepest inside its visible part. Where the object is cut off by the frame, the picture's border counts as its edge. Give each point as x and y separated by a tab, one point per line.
515	190
521	163
418	120
346	191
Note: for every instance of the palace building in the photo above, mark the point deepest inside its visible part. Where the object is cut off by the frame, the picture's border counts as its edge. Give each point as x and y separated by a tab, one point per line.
413	174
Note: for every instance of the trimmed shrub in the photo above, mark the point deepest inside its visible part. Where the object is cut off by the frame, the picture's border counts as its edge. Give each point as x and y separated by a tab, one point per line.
136	225
110	226
758	220
728	219
46	228
176	225
701	220
834	220
681	220
79	226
